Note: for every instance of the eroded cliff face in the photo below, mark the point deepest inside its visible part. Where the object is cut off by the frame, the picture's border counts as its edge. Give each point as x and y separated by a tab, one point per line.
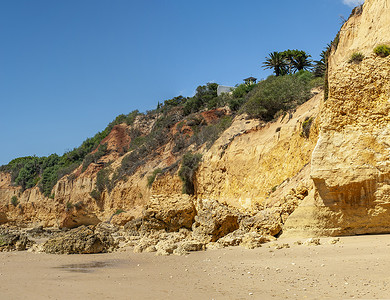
250	161
350	164
252	165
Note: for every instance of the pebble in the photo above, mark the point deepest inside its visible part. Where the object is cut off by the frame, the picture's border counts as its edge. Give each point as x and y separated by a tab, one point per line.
250	294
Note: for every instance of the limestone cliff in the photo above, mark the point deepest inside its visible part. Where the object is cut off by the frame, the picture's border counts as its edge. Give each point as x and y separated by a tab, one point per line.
251	166
251	160
350	164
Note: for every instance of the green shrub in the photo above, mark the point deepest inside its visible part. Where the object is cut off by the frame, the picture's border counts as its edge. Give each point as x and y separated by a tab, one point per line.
152	177
119	211
103	180
189	165
236	103
68	206
317	82
94	157
14	201
382	50
356	57
277	94
95	194
306	125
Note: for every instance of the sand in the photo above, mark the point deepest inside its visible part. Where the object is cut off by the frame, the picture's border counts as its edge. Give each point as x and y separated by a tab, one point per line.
356	267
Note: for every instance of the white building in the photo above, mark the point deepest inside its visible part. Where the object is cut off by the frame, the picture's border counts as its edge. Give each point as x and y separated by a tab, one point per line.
224	89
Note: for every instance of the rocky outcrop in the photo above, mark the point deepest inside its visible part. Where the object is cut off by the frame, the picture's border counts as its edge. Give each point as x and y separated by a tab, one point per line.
248	162
350	164
214	220
77	215
169	214
81	240
14	242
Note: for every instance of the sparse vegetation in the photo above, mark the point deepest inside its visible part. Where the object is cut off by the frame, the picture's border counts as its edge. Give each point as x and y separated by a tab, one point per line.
152	177
102	182
30	171
68	206
189	165
382	50
210	133
306	125
14	201
356	57
119	211
94	157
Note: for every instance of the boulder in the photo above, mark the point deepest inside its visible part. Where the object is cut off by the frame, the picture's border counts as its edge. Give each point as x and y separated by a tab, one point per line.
3	218
81	240
169	214
122	219
266	222
77	216
214	220
252	240
14	242
232	239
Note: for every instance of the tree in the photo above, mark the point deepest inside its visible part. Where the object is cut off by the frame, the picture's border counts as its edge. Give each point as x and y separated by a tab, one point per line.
287	62
277	62
319	68
296	60
301	61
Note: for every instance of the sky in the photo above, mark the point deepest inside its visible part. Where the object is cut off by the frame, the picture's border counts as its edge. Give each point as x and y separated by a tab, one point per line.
68	68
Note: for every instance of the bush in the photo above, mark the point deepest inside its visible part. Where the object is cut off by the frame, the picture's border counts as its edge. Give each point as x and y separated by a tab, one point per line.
356	57
210	133
189	165
236	103
382	50
277	94
14	201
94	157
317	82
241	90
68	206
152	177
306	125
95	194
119	211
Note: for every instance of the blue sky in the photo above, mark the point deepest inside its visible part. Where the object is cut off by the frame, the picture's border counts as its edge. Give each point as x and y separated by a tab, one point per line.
68	68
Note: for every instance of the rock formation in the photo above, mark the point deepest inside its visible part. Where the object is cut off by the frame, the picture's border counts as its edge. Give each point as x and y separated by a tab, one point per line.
350	165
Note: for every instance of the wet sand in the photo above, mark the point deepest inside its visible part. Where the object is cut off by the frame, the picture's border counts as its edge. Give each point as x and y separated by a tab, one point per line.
355	268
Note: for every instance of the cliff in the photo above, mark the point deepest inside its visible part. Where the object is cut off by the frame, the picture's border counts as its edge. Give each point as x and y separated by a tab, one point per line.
245	168
319	169
350	165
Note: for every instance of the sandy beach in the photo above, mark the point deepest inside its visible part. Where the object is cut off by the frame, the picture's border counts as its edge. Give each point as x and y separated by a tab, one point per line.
353	268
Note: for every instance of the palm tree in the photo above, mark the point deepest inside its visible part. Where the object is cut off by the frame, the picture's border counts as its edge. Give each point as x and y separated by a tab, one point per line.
319	68
277	62
301	61
320	65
